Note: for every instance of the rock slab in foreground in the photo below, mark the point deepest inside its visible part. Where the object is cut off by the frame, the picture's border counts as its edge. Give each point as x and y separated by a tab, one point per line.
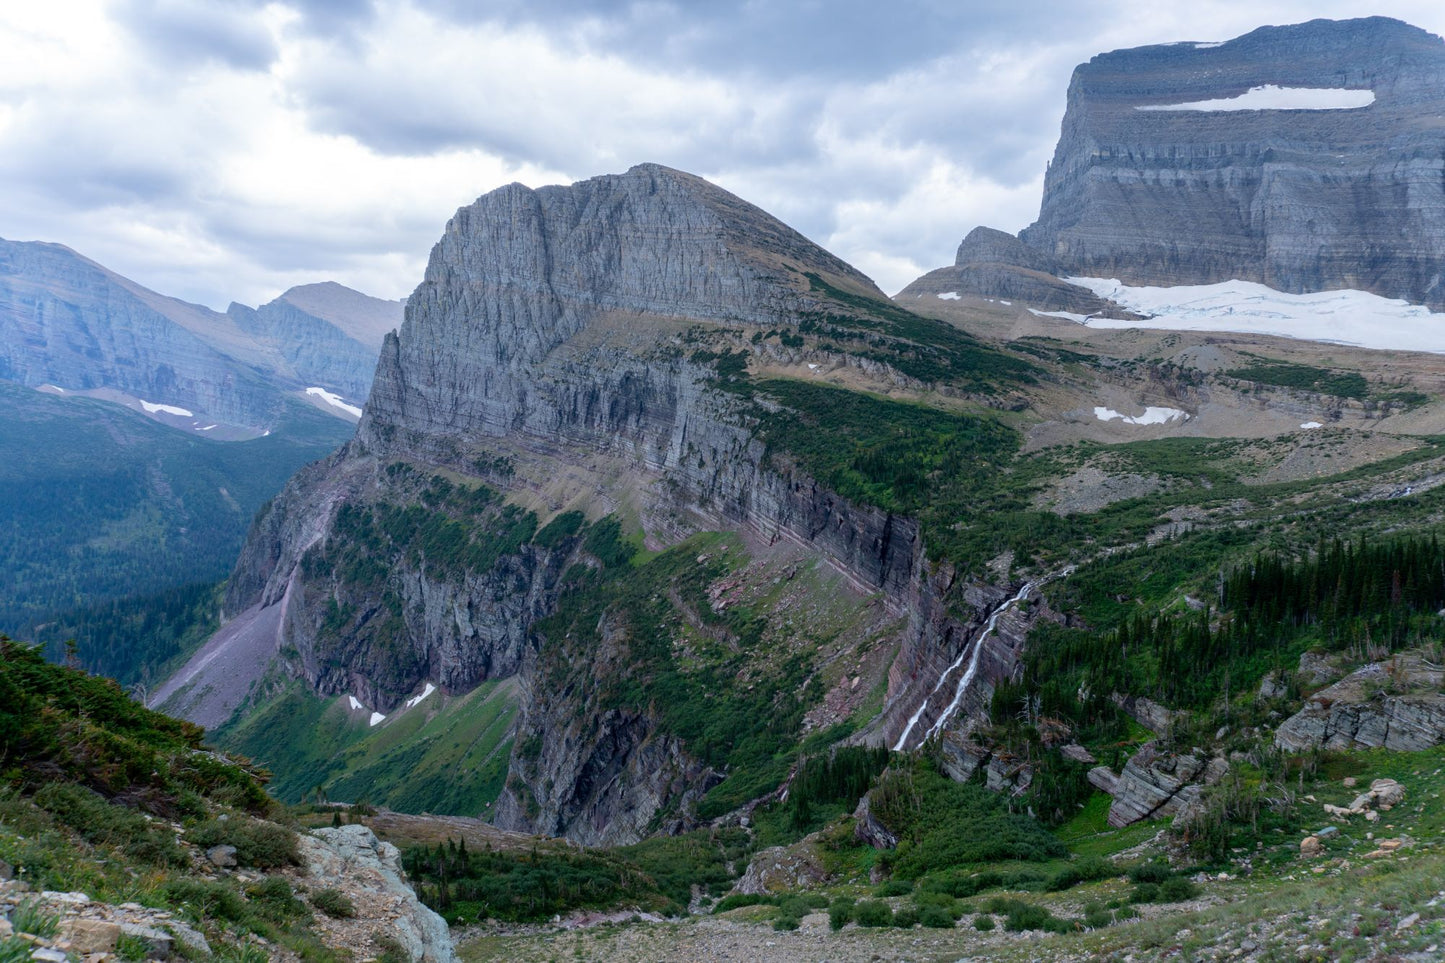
368	871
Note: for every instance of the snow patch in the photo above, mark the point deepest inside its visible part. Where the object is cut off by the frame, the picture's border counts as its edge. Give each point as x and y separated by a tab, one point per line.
334	400
1311	425
55	388
1009	303
1063	315
416	699
948	296
1274	97
207	428
1341	317
168	409
1209	46
1151	416
375	718
355	703
812	367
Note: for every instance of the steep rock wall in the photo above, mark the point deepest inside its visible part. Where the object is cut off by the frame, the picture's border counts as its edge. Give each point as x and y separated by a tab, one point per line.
1301	200
558	325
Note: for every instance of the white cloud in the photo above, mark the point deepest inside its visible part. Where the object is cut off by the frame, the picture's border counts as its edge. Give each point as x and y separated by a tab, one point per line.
230	149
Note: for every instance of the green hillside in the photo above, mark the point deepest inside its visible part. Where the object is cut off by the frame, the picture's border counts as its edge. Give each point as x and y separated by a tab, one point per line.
102	503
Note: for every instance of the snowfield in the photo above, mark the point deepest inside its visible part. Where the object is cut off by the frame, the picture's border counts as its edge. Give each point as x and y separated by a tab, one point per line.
1151	416
355	703
416	699
1063	316
948	296
1339	317
376	717
1272	97
334	400
168	409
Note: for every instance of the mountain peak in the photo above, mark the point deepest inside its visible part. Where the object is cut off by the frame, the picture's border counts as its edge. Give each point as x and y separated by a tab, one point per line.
1305	157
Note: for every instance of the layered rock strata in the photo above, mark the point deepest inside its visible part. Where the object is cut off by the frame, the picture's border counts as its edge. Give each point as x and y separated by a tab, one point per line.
556	329
1307	157
1159	179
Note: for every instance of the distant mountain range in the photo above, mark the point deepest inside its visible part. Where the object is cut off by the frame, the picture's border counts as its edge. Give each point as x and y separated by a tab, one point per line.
101	502
70	326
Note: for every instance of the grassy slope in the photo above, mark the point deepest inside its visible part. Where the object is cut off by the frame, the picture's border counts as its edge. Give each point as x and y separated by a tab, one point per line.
445	755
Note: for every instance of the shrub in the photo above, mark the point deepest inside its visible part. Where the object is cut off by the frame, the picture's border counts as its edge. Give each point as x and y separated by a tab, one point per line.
905	917
872	912
941	823
1153	872
935	917
259	844
1085	870
785	923
1096	917
840	912
110	824
983	923
1176	889
334	903
1145	893
203	899
894	887
275	901
738	900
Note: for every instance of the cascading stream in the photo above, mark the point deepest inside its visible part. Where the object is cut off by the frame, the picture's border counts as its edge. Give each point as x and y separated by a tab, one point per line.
972	653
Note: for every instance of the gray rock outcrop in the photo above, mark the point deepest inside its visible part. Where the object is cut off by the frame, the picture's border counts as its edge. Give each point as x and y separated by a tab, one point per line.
1384	705
1300	200
994	264
1155	784
351	859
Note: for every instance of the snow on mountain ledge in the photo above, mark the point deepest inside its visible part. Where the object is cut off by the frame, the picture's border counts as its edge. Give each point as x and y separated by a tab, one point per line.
167	409
334	400
1271	97
1339	317
416	699
1151	416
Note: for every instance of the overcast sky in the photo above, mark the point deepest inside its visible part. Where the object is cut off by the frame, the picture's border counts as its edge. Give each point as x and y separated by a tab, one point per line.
223	150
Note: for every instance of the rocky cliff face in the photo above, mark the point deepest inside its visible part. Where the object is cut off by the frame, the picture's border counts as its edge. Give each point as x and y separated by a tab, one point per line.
993	264
326	335
1146	190
1307	157
67	321
566	348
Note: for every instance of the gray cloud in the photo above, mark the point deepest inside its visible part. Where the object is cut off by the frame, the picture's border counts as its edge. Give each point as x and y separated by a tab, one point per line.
187	31
221	150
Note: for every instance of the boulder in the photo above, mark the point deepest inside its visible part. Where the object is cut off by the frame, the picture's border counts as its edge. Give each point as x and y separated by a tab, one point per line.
1310	847
90	936
222	856
158	944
